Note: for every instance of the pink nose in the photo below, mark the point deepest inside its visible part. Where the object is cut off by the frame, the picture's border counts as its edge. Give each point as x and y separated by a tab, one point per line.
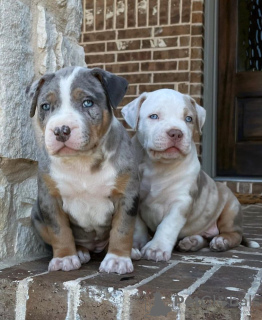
62	134
175	134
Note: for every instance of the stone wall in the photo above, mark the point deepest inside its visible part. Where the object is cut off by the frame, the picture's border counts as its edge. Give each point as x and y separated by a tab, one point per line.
35	37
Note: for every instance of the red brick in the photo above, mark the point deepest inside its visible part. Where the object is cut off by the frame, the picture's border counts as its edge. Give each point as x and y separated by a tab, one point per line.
131	14
134	33
153	12
98	47
123	67
99	36
89	18
175	11
137	78
232	185
100	58
186	10
123	45
183	65
197	17
171	77
183	88
142	14
134	56
128	99
197	65
257	188
164	12
197	53
172	30
100	15
197	42
159	43
196	77
152	87
120	16
198	6
197	30
184	41
131	90
196	89
158	66
171	54
101	66
110	8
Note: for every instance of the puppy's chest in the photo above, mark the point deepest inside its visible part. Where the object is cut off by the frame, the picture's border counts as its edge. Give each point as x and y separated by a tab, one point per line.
85	194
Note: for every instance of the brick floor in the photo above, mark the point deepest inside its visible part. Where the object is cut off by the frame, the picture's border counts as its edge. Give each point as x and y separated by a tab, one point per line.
203	285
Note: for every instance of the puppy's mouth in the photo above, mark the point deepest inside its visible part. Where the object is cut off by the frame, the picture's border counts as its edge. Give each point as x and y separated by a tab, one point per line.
169	150
66	151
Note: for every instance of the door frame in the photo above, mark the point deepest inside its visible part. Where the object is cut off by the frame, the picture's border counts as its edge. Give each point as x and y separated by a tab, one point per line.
210	94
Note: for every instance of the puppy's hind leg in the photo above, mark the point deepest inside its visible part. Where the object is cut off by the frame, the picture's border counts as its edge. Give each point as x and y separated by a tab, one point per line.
140	238
229	225
192	243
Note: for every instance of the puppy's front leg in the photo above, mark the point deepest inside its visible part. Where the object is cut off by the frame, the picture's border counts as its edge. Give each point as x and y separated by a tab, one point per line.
164	240
121	238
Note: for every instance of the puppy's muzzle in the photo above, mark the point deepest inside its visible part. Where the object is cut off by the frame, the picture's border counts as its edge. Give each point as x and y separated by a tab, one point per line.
62	134
175	134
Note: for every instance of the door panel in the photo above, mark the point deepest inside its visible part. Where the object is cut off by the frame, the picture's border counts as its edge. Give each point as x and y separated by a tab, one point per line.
239	120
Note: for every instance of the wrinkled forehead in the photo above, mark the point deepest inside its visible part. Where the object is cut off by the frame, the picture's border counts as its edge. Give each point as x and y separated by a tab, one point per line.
168	103
71	79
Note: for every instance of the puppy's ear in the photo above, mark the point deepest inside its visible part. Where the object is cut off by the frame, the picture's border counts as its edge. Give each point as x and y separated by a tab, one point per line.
201	114
131	111
33	91
115	87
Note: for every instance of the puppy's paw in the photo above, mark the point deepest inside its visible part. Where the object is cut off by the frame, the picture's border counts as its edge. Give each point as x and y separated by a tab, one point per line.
156	252
219	244
84	256
135	254
192	243
66	264
117	264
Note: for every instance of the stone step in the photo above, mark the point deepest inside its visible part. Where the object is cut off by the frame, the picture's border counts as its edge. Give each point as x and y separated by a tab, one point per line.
202	285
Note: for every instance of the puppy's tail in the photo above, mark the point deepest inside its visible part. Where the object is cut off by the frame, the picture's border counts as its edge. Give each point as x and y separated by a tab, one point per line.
249	243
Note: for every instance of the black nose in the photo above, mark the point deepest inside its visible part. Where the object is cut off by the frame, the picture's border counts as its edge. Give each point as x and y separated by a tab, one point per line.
62	134
175	134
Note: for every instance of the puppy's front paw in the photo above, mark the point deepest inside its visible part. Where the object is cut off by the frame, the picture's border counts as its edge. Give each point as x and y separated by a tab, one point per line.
66	264
192	243
117	264
135	254
84	256
156	252
219	244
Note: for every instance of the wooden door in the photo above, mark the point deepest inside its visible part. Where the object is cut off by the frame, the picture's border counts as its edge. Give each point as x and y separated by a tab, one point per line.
239	111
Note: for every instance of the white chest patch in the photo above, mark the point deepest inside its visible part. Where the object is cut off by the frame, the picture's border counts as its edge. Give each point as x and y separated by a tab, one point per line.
85	194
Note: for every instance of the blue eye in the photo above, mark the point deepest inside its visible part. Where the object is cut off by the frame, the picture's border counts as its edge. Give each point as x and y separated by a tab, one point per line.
88	103
45	106
188	119
153	116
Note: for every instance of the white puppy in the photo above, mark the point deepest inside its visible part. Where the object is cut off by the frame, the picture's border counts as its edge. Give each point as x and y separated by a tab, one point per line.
178	201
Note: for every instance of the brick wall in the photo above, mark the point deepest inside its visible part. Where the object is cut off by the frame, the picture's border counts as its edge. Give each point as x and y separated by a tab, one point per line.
153	44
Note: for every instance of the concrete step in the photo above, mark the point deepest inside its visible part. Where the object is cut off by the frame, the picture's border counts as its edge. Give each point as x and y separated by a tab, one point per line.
202	285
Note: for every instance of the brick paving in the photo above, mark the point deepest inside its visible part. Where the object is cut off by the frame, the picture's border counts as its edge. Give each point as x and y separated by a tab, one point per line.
202	285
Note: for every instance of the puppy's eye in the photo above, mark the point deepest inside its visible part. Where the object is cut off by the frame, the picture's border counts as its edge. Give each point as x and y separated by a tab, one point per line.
153	116
188	119
45	106
88	103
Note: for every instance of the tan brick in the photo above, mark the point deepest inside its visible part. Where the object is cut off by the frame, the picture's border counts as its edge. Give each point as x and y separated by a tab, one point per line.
183	65
172	30
171	77
198	6
134	56
152	87
196	77
99	15
98	47
135	33
183	88
159	66
197	53
197	65
175	11
197	30
99	36
171	54
100	58
110	8
123	68
121	45
137	78
164	12
197	42
186	10
131	14
184	41
197	17
153	13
